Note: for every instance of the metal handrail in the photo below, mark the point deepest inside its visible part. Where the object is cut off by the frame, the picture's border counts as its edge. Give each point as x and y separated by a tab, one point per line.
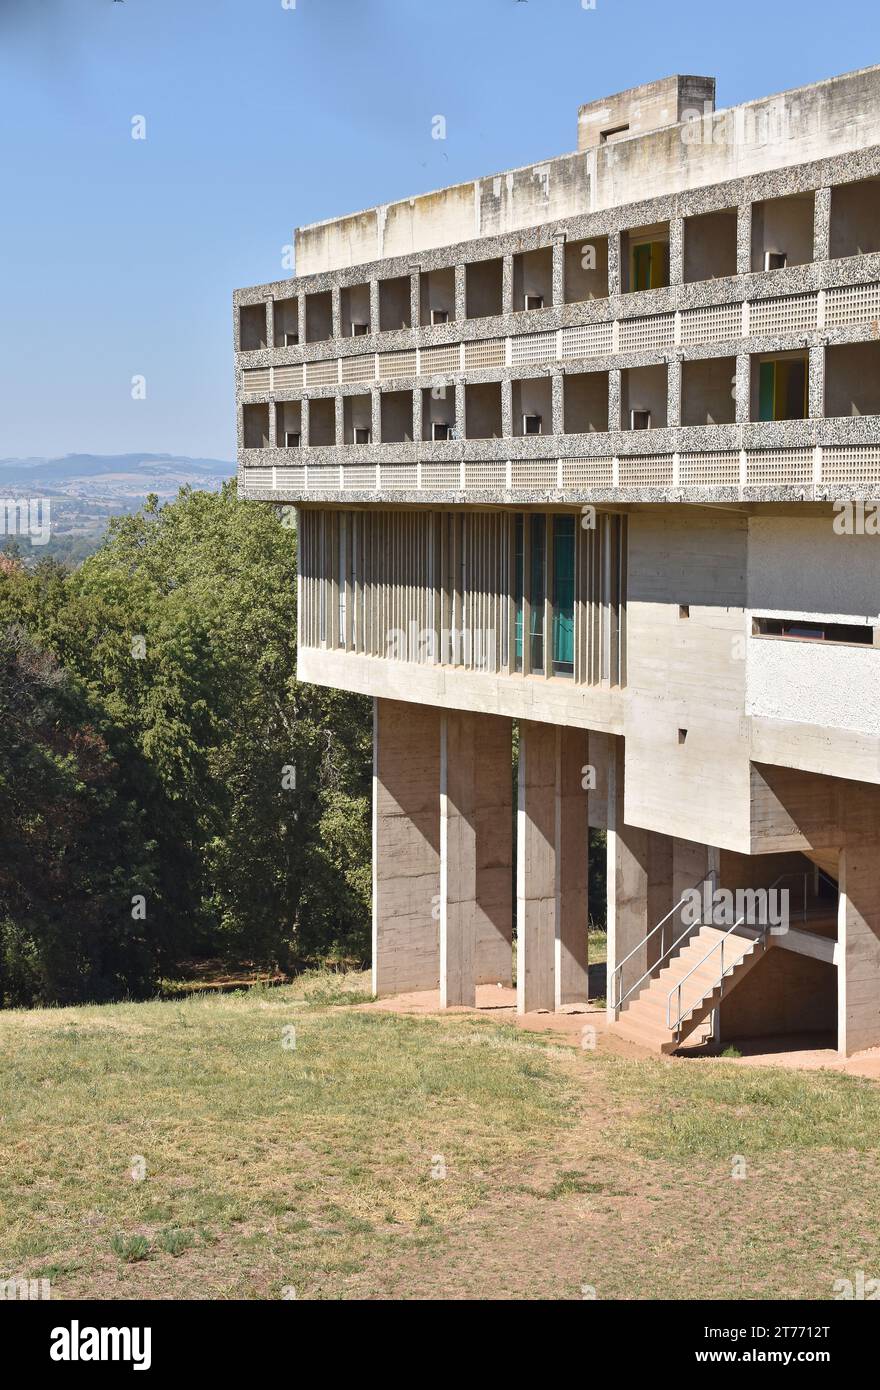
616	973
676	1027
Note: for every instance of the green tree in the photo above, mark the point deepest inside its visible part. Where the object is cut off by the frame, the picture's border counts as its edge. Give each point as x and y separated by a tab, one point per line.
181	631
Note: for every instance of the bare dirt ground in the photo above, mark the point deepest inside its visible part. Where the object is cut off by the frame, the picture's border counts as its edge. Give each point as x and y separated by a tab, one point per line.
798	1052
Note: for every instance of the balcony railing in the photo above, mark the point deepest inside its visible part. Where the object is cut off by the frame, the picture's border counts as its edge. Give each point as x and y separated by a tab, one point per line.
841	306
745	468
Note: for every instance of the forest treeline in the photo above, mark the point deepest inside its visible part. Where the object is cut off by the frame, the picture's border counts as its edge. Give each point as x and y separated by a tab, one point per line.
168	789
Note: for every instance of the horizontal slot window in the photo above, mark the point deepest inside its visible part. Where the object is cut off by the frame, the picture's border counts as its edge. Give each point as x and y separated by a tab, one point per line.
798	629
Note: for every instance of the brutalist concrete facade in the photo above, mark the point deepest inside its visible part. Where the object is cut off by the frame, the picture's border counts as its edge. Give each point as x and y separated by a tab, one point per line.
695	723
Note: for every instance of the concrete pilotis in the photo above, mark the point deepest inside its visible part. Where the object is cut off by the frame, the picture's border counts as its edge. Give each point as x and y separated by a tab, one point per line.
572	839
406	847
551	868
476	855
858	949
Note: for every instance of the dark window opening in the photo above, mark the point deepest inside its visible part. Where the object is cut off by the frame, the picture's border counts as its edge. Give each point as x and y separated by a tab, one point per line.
805	631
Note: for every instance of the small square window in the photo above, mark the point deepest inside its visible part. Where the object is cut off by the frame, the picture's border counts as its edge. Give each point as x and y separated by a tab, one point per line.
682	735
684	610
291	340
359	330
440	429
532	424
361	434
640	419
291	439
439	315
534	301
775	260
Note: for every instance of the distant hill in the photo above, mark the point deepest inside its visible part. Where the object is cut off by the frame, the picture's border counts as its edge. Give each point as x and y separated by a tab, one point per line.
86	490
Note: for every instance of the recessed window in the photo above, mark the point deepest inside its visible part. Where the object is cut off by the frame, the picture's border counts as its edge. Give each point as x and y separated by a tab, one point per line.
684	610
532	424
359	330
440	429
804	631
640	419
775	260
682	735
292	439
362	434
439	316
291	340
534	301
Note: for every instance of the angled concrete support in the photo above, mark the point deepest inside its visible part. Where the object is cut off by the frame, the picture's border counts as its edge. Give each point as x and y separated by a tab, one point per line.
551	868
406	847
858	949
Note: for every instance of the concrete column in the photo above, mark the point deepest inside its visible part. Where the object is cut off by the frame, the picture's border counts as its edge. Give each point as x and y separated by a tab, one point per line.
506	407
572	868
673	391
822	225
743	238
460	415
557	388
640	885
507	285
406	847
374	307
339	407
336	311
559	269
743	388
494	818
858	949
676	250
273	425
301	317
375	414
536	868
614	273
816	382
458	859
460	293
551	868
476	841
304	422
415	296
270	323
614	392
417	413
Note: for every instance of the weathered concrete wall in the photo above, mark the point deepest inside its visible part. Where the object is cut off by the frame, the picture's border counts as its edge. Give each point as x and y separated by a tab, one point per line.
807	123
686	676
784	993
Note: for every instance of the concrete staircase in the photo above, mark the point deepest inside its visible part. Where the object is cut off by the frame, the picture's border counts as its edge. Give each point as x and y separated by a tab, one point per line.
643	1019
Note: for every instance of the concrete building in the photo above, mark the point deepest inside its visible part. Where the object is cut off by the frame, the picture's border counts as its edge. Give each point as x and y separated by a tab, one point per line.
591	449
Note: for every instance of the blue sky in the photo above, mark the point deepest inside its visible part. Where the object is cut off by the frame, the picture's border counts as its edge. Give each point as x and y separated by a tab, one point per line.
119	256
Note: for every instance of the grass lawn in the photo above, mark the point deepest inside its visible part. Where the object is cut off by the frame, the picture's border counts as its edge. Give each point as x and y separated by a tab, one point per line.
187	1149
